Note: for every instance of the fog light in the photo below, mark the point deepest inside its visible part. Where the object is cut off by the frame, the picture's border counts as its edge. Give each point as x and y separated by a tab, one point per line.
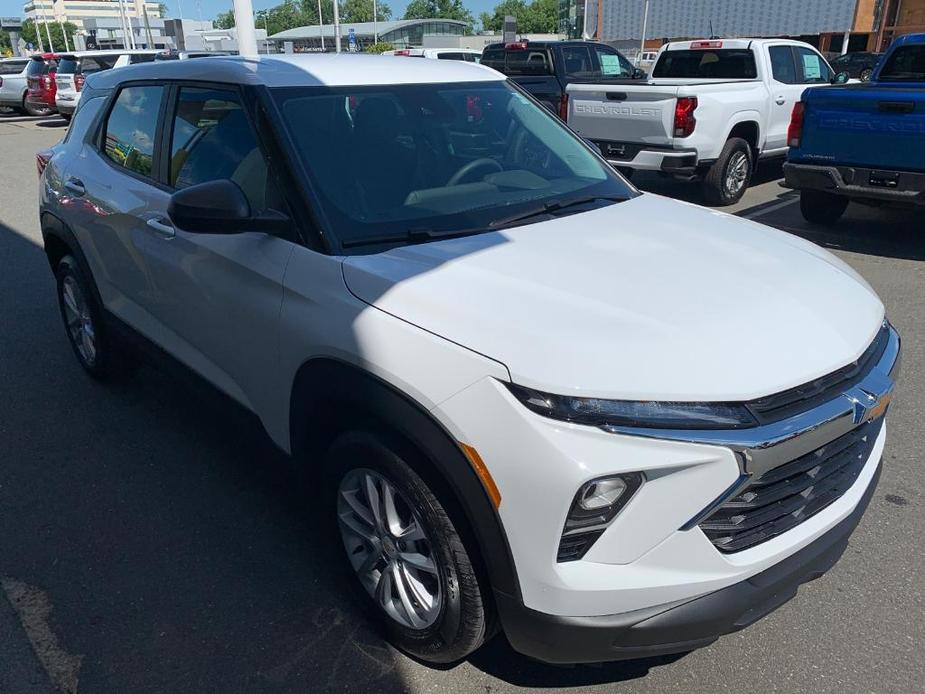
600	493
595	505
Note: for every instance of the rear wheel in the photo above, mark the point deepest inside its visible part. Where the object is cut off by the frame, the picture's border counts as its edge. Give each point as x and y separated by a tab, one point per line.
866	74
34	110
727	180
405	551
819	207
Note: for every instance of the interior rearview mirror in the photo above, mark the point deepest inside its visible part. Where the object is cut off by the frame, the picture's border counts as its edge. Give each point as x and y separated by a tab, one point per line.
841	78
220	207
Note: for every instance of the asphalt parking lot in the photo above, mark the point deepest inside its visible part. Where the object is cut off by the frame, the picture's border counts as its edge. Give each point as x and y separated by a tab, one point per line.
152	539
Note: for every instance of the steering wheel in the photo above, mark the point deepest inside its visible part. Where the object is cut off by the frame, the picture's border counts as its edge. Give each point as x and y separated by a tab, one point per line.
466	169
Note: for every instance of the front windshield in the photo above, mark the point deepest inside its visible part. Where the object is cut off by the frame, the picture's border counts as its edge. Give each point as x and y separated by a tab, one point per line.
389	160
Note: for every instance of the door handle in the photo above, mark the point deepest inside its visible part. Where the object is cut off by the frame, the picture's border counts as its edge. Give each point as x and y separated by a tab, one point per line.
75	185
780	101
165	229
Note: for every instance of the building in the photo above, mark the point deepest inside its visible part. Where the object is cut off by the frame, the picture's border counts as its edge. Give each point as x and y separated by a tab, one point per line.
867	24
401	34
76	11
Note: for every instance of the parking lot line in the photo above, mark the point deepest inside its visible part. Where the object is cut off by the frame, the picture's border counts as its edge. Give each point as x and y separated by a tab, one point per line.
771	208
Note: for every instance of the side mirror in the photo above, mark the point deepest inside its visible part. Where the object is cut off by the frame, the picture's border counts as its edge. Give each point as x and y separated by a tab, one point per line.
841	78
639	74
220	207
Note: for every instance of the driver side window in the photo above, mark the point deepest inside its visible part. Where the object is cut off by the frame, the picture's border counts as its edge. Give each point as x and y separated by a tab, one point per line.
212	139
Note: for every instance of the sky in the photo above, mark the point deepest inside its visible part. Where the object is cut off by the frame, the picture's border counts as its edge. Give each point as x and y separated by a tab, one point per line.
210	8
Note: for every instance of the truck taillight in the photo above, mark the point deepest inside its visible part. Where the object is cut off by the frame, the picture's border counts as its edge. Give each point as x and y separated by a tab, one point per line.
795	131
684	121
563	107
79	82
46	81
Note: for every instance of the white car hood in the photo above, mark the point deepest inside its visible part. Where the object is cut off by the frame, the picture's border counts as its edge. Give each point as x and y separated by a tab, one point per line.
646	299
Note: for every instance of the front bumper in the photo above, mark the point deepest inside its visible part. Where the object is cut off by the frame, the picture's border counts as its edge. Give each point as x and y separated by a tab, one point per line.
682	626
856	182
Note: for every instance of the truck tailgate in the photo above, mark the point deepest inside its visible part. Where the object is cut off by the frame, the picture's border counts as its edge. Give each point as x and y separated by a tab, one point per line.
625	113
865	126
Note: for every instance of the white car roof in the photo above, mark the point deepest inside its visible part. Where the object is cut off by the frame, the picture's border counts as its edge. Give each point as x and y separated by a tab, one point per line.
730	43
113	51
302	71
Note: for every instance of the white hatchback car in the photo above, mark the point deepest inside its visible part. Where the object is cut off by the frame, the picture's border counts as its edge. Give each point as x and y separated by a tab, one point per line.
74	68
613	424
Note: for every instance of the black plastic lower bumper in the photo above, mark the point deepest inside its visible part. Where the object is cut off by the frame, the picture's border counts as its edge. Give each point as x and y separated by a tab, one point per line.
678	627
857	182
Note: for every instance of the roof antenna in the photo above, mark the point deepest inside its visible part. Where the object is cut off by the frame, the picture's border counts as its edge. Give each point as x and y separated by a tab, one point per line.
712	33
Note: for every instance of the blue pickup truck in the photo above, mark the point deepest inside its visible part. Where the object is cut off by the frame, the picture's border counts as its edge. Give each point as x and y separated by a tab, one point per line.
862	142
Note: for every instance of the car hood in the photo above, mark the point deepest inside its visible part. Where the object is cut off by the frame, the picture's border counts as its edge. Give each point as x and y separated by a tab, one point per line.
646	299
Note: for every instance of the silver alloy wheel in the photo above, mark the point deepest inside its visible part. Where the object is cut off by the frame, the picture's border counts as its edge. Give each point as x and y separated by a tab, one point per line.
388	548
78	319
736	173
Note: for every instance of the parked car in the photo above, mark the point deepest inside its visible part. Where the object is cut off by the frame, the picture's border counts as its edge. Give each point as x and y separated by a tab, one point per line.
864	143
13	85
41	84
710	111
468	55
619	424
859	64
646	60
546	68
74	68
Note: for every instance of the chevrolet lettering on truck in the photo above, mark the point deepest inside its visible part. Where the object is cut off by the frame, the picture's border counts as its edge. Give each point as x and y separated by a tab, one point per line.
710	111
534	399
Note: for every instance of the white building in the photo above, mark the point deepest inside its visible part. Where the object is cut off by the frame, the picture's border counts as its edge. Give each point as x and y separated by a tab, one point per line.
76	11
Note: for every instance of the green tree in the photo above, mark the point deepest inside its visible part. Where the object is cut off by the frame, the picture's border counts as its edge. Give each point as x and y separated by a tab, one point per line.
29	28
5	45
162	10
224	20
439	9
356	11
539	17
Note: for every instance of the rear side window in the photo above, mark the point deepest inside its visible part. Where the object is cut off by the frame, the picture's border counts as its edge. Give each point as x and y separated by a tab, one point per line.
782	67
526	61
37	68
87	111
212	140
97	63
131	128
142	58
727	64
67	66
906	64
450	56
12	67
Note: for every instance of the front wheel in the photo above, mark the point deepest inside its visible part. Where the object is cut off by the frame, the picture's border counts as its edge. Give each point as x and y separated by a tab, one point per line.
405	551
727	180
866	74
822	208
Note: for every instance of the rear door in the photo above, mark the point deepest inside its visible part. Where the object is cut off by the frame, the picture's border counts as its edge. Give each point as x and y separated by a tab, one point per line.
793	69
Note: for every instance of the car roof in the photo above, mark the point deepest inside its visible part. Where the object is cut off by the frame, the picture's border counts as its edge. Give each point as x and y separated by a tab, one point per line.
301	71
550	44
110	52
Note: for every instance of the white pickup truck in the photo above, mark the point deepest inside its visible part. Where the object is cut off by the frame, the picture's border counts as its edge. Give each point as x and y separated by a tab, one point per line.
710	110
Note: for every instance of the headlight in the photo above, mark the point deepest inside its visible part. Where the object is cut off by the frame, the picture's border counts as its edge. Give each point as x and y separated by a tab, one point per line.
636	413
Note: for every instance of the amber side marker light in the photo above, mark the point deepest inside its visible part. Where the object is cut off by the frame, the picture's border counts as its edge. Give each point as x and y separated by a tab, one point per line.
482	471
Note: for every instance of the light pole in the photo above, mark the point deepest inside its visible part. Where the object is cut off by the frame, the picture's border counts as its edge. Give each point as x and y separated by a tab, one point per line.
336	28
266	27
375	21
645	21
244	22
321	25
51	46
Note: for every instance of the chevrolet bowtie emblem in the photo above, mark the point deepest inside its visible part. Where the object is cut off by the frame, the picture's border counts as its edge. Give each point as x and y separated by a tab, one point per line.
867	406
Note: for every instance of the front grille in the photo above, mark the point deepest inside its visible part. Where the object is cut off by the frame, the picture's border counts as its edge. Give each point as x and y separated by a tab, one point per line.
786	496
774	408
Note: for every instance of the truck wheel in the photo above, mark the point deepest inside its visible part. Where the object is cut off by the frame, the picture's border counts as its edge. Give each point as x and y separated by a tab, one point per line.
404	551
728	178
822	208
865	74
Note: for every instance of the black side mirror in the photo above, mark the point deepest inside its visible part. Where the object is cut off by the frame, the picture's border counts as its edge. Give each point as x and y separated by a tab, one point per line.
220	207
841	78
639	74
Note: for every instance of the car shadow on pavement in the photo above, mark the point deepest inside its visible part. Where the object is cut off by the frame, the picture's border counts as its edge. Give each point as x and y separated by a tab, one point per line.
652	182
178	548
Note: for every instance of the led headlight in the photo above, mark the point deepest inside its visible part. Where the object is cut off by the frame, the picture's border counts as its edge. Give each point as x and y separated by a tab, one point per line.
636	413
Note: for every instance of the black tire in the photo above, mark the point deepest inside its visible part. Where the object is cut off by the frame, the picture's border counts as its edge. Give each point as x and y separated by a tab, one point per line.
819	207
108	358
464	618
66	117
727	180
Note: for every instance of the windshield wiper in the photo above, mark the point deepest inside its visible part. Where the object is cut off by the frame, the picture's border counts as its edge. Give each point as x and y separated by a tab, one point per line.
551	209
415	235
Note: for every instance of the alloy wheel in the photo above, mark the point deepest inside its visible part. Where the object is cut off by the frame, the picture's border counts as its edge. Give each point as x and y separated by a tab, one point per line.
736	173
389	548
79	320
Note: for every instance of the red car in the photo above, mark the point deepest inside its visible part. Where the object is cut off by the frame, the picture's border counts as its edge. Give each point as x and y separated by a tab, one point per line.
41	84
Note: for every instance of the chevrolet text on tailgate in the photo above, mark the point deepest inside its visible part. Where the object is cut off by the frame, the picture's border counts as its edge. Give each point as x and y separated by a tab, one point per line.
710	111
863	142
611	424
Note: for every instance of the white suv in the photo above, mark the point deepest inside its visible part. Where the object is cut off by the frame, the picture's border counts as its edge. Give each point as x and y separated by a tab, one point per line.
74	68
619	424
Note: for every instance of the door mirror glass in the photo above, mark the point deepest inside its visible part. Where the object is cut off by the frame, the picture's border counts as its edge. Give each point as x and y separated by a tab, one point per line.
214	207
639	74
841	78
